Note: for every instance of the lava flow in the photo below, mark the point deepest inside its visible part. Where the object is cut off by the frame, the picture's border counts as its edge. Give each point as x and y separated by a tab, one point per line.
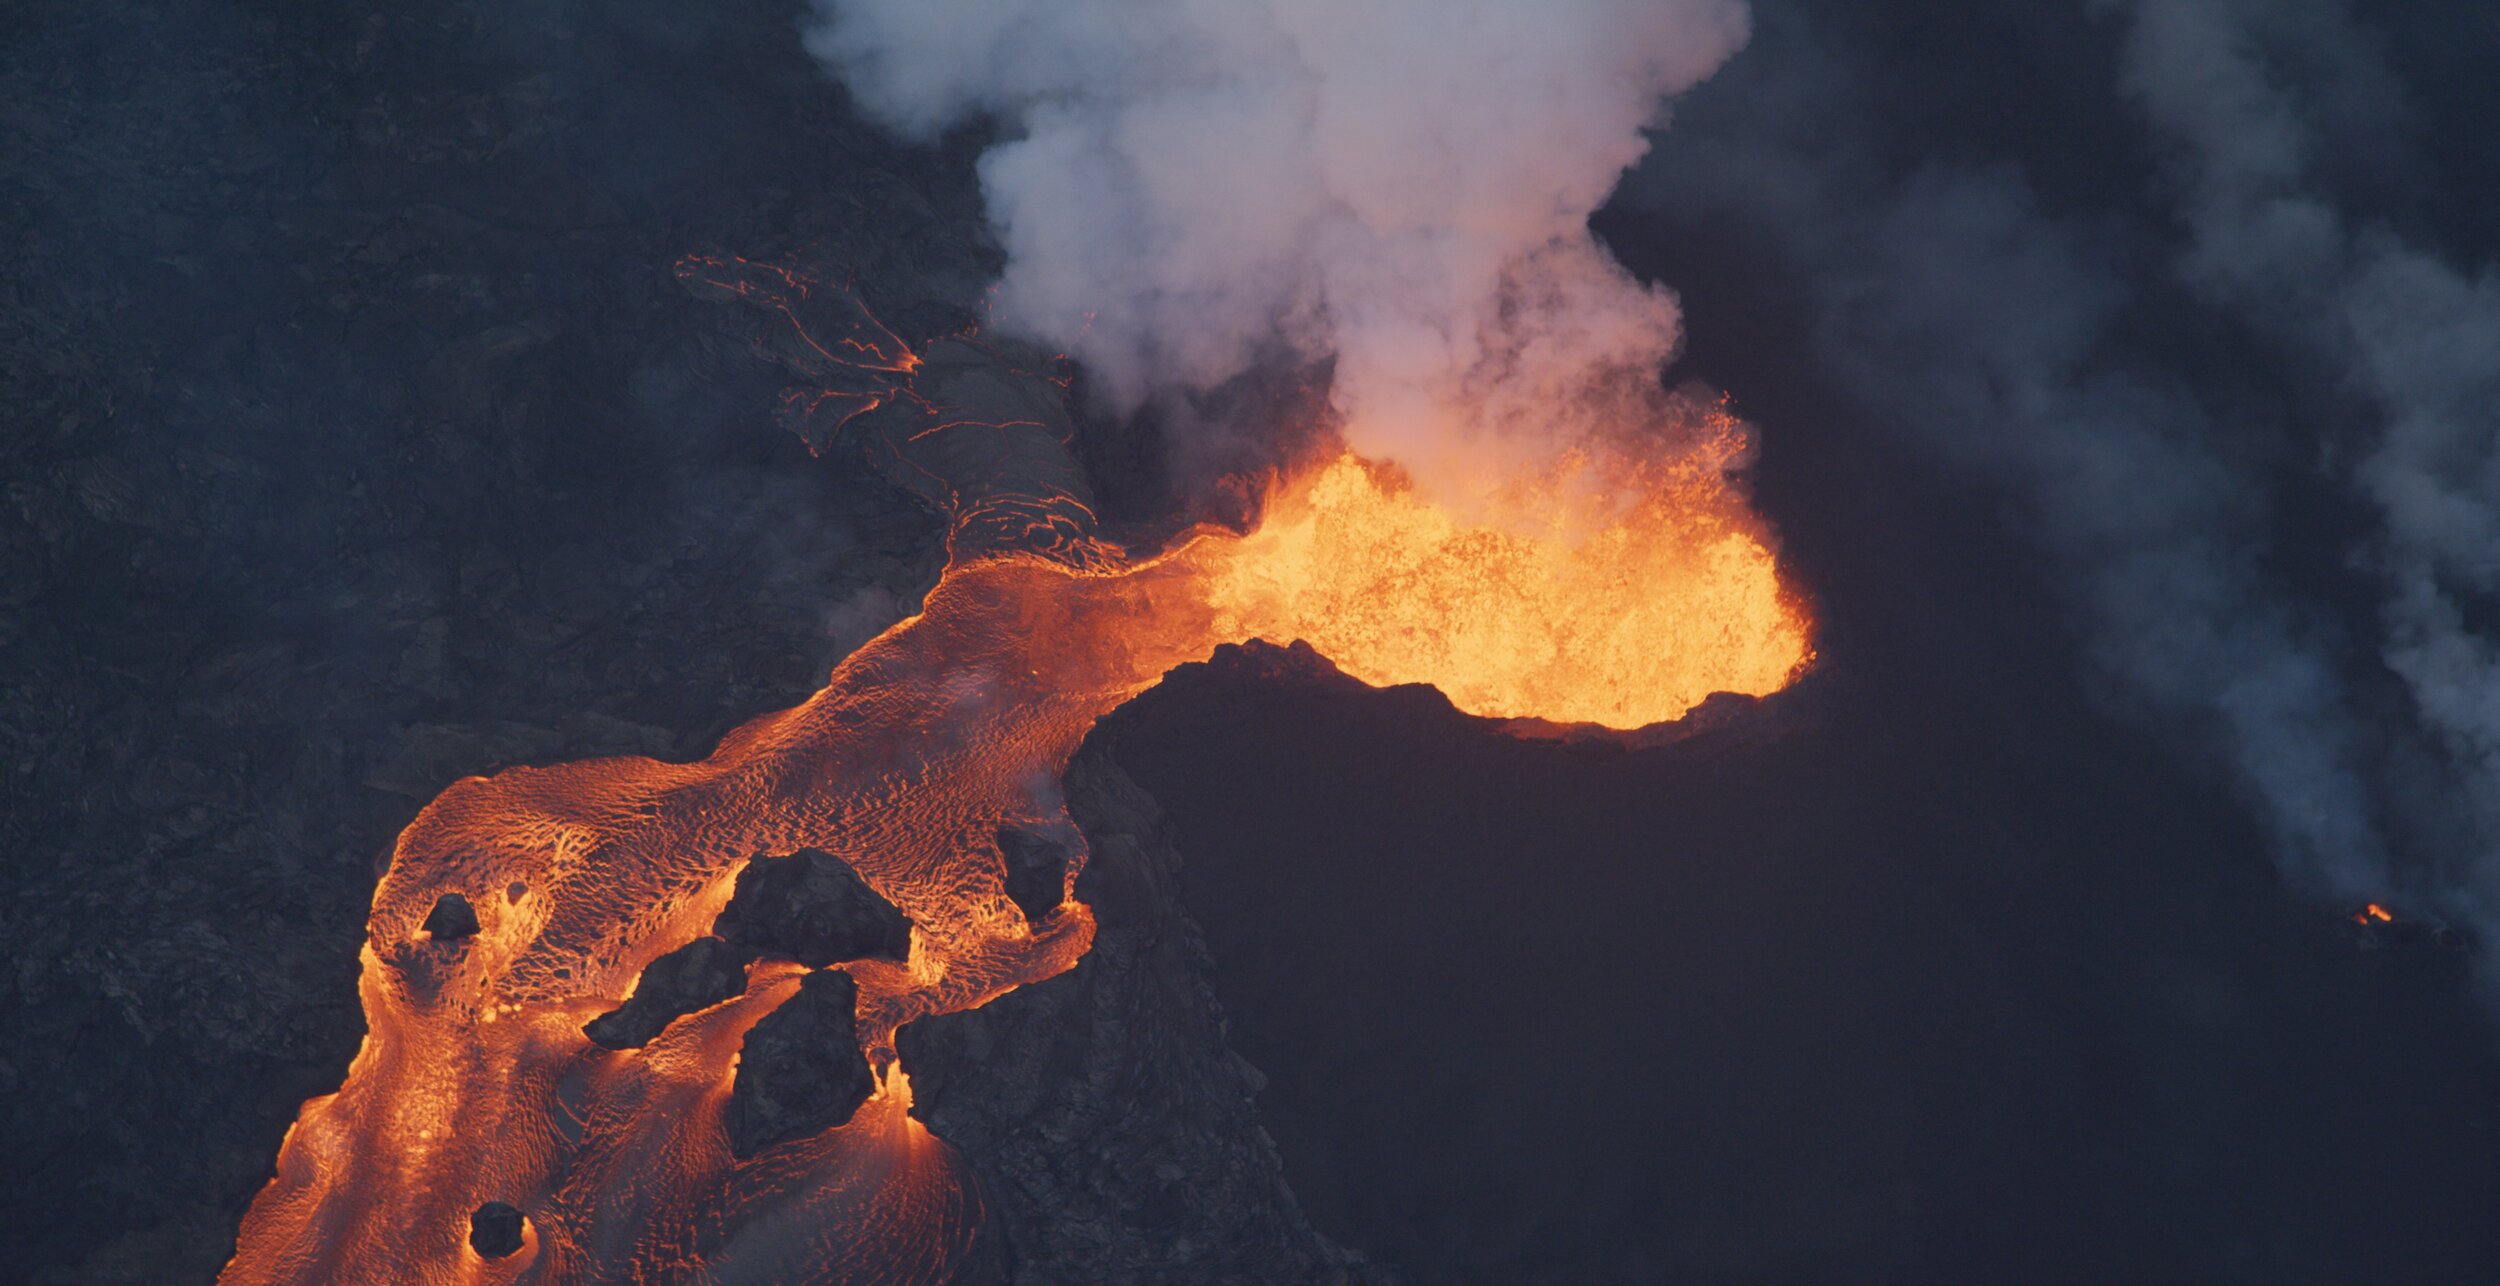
475	1083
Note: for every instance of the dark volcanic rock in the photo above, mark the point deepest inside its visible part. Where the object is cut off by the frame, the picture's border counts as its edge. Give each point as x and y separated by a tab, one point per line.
800	1070
1112	1128
698	975
2373	929
1037	869
495	1230
452	917
359	441
813	908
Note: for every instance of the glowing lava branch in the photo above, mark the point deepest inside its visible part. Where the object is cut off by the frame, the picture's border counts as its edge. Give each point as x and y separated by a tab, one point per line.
476	1084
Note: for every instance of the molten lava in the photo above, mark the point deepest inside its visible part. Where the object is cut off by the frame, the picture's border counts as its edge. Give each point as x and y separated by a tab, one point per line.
1555	607
475	1083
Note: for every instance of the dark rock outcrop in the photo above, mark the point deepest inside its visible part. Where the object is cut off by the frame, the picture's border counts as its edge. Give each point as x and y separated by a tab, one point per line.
1728	719
495	1230
1113	1131
813	908
698	975
1037	869
800	1070
452	917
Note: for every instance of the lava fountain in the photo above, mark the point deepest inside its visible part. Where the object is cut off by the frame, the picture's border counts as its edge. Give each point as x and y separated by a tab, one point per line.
1562	605
1622	605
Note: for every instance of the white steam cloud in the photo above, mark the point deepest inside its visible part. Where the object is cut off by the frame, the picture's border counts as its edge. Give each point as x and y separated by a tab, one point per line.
1403	185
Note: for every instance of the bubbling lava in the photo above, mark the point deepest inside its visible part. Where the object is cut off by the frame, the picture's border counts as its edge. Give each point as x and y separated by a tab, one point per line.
476	1084
1563	603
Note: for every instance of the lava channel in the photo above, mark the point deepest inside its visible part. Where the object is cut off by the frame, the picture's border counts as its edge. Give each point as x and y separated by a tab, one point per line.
476	1084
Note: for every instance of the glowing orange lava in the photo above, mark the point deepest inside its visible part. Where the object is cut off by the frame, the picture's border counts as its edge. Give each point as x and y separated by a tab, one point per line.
475	1082
1555	607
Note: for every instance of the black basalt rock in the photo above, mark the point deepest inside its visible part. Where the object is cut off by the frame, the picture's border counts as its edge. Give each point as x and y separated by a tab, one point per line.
451	918
495	1230
1037	870
1115	1134
800	1070
698	975
813	908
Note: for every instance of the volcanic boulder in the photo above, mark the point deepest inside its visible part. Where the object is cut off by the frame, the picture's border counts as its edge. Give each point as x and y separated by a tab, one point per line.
698	975
495	1230
1037	870
452	917
800	1070
813	908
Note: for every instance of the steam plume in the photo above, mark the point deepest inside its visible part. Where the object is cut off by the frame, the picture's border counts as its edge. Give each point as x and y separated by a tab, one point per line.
1997	334
2415	342
1402	185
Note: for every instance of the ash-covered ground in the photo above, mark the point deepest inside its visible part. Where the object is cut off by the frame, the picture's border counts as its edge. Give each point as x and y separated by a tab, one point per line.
358	439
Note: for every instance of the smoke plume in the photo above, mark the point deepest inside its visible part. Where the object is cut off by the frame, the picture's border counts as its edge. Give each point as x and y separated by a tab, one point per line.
1402	187
2177	512
2414	343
